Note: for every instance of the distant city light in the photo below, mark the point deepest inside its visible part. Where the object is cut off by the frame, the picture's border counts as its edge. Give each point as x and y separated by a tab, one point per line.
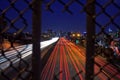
78	35
110	30
84	32
73	35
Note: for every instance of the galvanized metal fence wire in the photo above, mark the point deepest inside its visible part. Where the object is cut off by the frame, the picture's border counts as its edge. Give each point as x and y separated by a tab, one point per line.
14	65
102	16
15	50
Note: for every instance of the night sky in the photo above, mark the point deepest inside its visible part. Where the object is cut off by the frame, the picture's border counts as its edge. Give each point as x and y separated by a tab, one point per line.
59	20
64	21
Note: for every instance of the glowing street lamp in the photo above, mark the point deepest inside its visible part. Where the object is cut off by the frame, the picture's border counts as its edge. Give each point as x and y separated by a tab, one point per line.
73	35
78	35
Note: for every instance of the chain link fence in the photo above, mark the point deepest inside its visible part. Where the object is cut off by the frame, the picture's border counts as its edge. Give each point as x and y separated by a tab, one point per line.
15	47
102	17
16	18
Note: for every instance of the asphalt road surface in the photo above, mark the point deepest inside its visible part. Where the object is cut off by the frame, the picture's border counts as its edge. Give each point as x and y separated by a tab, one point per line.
67	62
19	58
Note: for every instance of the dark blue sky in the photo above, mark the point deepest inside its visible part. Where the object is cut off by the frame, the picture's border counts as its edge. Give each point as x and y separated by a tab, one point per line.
63	20
77	22
60	20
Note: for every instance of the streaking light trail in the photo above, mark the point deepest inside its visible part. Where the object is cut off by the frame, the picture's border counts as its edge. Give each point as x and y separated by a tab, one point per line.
25	50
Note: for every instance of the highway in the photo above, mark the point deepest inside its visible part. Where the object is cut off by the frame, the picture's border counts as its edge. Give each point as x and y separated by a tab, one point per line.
13	56
67	62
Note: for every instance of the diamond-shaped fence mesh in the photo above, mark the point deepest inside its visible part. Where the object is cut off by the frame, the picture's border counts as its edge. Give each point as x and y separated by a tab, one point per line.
15	47
102	29
102	18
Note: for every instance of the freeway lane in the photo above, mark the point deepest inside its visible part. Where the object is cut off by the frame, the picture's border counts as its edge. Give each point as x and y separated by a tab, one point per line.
24	67
62	64
67	62
13	56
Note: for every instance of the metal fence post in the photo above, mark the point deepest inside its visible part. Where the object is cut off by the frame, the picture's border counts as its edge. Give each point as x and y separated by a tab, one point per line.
90	40
36	26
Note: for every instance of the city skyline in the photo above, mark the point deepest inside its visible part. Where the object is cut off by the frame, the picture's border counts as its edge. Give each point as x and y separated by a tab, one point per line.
62	20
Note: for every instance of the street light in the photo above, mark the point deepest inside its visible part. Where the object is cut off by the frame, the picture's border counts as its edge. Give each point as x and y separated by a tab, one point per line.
78	35
73	35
